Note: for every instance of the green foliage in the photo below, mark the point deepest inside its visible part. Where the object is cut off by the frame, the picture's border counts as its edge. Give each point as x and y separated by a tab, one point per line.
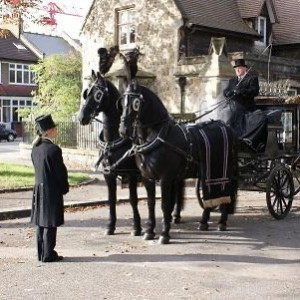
59	82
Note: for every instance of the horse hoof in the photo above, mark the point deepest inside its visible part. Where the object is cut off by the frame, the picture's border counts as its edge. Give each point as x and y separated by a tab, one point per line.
203	227
222	227
136	232
149	236
177	220
110	231
163	240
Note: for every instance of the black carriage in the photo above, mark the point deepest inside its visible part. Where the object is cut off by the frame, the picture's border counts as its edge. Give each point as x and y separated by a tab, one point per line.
274	170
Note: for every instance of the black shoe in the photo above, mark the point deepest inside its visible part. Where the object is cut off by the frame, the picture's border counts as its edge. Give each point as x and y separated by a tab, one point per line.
53	259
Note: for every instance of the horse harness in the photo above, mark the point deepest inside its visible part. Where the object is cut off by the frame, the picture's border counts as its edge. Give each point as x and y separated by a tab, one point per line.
106	150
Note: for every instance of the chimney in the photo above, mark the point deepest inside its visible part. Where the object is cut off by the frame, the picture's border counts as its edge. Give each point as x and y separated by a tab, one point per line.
15	26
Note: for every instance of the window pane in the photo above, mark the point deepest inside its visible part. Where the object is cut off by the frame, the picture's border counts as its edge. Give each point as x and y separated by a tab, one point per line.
6	102
32	77
26	77
26	67
123	35
22	102
19	77
12	76
12	66
123	17
15	114
6	114
15	102
19	67
28	102
132	34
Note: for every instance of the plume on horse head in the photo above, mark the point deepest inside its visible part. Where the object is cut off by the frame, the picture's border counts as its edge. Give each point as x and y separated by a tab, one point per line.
131	63
106	58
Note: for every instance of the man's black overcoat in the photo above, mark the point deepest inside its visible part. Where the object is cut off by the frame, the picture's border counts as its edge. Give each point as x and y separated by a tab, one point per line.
51	183
243	93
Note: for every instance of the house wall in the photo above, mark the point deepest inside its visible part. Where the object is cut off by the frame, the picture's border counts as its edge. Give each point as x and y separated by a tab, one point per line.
4	73
157	37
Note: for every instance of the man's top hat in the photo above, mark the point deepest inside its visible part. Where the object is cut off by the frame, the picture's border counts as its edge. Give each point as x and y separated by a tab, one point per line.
239	63
44	123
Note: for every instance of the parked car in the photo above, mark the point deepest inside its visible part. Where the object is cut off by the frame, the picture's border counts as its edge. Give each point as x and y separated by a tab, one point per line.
7	134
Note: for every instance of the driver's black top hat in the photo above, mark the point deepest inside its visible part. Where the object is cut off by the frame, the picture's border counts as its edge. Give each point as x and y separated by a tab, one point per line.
44	123
239	63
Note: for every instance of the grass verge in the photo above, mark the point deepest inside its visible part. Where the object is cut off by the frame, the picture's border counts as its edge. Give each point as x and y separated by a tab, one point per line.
17	176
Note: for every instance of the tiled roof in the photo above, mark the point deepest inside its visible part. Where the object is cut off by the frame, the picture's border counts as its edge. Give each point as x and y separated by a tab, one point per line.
218	14
288	29
10	52
48	44
17	90
250	8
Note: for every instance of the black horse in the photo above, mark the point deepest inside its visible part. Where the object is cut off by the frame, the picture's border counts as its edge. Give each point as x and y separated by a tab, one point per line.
103	96
169	152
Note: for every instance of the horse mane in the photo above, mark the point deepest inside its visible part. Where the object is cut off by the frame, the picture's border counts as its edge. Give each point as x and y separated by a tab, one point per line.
154	112
112	90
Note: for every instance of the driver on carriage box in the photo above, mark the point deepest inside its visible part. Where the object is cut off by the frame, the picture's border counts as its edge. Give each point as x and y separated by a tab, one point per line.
241	90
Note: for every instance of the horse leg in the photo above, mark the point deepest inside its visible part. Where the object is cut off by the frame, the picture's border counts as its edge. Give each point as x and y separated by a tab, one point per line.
133	198
151	223
222	226
111	182
179	200
167	206
203	226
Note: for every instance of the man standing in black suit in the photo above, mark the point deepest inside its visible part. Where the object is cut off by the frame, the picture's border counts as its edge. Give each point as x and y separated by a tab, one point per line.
241	90
51	183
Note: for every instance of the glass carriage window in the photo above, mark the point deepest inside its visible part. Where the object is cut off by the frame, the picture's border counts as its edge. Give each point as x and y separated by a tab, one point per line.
287	121
126	28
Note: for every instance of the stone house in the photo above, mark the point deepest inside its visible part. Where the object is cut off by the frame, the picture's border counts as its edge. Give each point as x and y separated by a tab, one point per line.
188	44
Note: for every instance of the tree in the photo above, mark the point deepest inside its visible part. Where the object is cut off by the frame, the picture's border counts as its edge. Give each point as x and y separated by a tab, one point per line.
12	10
59	87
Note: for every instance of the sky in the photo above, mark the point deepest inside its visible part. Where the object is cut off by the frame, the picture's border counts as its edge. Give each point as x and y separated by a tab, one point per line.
69	24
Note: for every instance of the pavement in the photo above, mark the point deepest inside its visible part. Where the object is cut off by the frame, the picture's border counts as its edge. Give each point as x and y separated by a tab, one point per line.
257	258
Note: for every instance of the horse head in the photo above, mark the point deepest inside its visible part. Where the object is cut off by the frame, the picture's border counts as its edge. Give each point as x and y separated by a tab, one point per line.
141	109
101	92
96	99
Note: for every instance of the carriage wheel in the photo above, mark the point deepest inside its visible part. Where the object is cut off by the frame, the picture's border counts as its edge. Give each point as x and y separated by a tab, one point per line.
280	192
199	192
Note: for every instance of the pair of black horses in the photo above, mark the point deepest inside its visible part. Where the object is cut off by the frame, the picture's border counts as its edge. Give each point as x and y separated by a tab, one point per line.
140	137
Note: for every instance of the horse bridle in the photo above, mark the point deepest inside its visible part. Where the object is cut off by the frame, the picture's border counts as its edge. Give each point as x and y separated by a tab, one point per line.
101	90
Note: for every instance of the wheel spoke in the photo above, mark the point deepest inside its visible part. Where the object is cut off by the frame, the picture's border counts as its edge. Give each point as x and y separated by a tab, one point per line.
284	180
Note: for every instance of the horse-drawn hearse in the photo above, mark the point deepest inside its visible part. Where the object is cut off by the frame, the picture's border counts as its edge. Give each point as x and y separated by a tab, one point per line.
274	170
140	137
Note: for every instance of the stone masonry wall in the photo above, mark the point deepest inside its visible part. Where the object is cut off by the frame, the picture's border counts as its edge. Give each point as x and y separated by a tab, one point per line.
157	37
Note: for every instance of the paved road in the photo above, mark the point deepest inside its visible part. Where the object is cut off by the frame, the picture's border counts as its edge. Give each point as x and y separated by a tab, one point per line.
258	258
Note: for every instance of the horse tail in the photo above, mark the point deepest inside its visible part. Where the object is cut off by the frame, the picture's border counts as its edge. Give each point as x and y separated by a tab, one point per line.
235	177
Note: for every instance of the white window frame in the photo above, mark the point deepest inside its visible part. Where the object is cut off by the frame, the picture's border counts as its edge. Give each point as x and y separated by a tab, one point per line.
11	106
128	24
14	67
263	30
0	71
